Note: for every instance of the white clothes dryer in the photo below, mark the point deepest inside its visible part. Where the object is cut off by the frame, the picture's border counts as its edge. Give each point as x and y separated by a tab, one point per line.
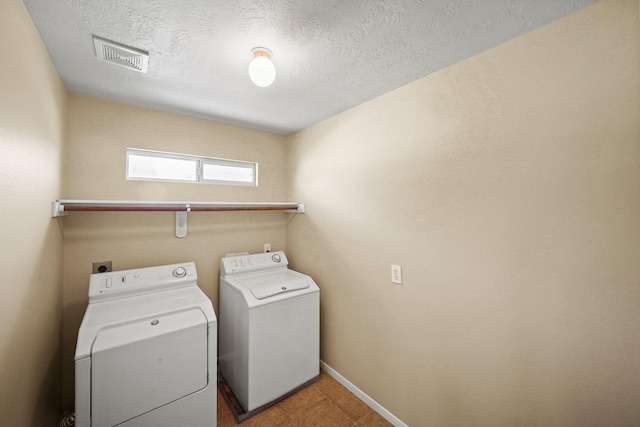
146	350
269	329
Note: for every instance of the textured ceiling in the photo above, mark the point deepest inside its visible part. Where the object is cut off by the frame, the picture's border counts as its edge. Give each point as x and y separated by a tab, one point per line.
329	55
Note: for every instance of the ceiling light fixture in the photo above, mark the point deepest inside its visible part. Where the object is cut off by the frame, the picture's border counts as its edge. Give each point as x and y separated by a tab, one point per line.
261	69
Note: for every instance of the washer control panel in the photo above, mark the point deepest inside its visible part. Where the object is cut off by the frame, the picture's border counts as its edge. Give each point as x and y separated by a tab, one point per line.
248	264
118	284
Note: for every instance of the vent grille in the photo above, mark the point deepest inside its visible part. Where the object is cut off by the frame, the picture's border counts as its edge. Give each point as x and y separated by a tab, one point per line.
124	56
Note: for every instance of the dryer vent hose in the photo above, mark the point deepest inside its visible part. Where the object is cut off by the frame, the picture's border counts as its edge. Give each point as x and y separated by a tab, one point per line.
68	419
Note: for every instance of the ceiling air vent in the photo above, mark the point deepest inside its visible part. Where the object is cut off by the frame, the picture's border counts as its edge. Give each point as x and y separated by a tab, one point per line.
124	56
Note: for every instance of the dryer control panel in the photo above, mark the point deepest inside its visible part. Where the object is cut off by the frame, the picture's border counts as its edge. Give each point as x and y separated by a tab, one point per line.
125	283
250	264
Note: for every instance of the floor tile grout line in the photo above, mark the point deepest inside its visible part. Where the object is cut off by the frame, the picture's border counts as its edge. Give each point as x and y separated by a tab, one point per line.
369	410
340	409
342	388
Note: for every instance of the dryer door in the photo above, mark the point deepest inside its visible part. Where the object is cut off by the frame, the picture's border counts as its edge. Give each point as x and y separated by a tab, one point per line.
141	365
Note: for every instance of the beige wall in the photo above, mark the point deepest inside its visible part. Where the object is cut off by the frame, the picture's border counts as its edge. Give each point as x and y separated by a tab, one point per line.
508	188
32	118
98	134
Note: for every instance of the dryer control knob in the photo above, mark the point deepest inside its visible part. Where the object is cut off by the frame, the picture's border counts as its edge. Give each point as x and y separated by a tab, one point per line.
180	272
276	258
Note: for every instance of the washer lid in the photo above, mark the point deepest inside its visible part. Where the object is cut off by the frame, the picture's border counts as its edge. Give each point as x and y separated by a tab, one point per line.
269	284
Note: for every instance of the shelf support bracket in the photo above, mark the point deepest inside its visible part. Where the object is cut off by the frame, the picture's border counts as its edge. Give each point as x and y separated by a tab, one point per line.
57	209
181	224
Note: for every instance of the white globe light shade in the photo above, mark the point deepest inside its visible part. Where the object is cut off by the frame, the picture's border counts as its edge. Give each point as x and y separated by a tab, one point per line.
262	71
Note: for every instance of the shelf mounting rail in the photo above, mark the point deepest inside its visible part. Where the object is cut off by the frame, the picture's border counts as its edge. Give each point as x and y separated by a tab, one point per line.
62	207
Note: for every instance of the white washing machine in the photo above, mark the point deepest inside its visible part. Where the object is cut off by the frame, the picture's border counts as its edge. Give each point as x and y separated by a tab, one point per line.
269	328
146	350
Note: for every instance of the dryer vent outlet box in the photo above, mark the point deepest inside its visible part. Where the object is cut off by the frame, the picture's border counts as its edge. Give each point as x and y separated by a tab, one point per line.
124	56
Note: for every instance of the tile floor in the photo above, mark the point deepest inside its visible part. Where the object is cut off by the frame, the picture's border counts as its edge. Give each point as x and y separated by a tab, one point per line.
324	403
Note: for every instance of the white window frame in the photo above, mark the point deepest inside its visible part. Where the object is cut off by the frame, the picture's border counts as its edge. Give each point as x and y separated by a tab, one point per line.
200	161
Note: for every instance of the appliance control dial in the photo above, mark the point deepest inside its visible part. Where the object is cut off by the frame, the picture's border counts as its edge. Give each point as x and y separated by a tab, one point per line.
276	258
180	272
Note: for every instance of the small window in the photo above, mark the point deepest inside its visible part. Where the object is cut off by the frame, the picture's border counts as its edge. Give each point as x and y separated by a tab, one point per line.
147	165
222	172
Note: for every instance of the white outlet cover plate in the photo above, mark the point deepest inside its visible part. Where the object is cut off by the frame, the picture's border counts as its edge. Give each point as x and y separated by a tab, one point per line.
396	274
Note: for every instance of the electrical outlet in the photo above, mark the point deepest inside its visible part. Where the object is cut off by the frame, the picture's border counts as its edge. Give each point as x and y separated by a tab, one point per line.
267	247
101	267
396	274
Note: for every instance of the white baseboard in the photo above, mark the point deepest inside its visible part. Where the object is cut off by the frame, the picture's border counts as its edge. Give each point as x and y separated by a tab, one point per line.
362	396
